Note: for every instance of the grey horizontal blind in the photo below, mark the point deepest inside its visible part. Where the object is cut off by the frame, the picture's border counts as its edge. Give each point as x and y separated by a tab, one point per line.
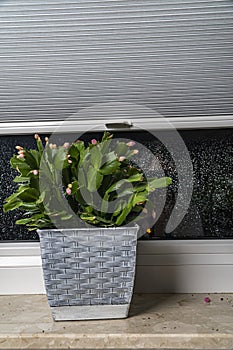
57	57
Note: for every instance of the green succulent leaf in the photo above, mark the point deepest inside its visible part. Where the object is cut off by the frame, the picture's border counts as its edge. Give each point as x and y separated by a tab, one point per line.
109	157
79	198
116	186
60	158
139	198
119	206
23	221
29	195
82	178
31	158
121	149
158	183
87	217
110	167
11	205
40	146
96	157
75	187
76	150
86	195
91	179
20	165
124	213
125	192
106	136
37	157
31	206
22	179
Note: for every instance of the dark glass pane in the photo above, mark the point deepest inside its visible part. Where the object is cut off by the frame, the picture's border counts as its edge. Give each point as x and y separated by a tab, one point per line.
210	211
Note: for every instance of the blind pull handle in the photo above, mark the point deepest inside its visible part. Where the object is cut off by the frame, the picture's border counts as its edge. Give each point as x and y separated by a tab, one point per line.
121	125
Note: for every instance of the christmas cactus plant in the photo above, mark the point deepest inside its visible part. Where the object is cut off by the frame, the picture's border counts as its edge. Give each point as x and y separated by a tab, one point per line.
98	181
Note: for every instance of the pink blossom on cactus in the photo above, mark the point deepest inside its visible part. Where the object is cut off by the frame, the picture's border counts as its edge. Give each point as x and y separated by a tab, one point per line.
37	137
93	141
121	158
135	151
66	145
52	145
131	143
68	191
35	172
21	155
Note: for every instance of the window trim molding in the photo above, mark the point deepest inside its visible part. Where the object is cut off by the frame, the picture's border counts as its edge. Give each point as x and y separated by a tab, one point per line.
189	122
181	266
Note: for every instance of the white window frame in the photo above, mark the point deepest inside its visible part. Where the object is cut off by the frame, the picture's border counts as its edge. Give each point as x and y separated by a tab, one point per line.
179	266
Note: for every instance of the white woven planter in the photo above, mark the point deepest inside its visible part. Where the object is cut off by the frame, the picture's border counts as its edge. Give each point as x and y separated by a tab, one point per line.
89	272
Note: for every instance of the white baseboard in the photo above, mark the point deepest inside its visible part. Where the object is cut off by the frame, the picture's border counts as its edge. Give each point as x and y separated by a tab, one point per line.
186	266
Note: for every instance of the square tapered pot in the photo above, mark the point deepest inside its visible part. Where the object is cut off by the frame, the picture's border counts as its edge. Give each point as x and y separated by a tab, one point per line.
89	272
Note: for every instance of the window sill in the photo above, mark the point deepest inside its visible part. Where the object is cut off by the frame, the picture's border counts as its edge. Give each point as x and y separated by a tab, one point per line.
180	321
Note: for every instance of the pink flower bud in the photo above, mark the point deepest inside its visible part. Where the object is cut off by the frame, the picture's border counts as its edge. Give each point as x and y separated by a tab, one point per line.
46	139
131	143
52	145
135	151
120	159
68	191
37	137
66	145
19	148
20	156
35	172
93	141
69	161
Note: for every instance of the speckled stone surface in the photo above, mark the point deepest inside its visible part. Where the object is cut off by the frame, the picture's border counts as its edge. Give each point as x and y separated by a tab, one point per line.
8	229
179	321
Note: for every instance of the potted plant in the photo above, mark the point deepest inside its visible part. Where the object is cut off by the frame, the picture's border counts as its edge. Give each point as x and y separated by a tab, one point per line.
84	200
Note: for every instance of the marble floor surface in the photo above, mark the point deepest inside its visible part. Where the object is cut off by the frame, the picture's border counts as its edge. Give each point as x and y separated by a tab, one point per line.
167	321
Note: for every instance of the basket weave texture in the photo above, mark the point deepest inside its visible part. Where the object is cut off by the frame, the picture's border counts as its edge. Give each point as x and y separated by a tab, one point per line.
91	266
